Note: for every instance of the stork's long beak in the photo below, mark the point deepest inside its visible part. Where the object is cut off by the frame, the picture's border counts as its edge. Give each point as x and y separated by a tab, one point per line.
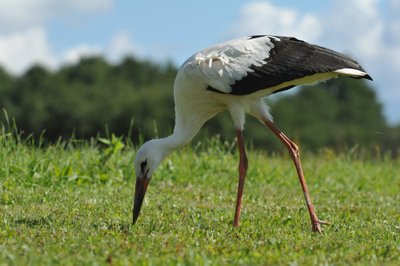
140	191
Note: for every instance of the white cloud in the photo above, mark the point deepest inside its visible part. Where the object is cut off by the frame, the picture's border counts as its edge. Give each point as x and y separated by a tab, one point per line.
358	27
24	40
263	17
74	54
374	41
19	50
24	14
120	45
393	35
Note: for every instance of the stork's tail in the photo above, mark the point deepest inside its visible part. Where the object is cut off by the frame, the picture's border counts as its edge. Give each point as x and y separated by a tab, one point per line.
354	73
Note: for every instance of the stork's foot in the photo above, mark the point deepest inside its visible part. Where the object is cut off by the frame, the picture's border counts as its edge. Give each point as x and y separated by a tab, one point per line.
316	226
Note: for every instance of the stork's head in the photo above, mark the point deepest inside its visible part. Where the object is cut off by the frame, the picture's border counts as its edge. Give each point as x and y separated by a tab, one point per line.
148	157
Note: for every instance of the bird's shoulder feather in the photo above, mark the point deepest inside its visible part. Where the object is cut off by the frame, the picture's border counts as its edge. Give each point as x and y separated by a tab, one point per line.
221	65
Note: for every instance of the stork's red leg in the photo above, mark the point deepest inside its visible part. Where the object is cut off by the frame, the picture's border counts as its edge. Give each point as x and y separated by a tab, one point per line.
242	175
295	154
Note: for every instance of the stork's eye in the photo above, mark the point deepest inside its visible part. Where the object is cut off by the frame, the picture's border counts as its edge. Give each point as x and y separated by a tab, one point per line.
144	168
143	165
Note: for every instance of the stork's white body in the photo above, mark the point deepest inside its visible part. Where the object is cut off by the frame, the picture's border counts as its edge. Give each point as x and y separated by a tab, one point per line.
234	76
220	67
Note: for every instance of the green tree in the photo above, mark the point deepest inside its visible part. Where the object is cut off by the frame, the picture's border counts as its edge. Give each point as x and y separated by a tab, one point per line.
91	95
26	99
6	85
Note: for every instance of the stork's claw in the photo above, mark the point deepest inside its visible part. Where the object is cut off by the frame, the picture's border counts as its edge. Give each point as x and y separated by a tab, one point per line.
316	226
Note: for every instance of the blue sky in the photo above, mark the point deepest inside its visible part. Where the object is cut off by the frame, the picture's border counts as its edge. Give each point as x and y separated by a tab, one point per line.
57	32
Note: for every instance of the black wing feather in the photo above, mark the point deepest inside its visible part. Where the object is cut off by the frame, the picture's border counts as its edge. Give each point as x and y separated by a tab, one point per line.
291	59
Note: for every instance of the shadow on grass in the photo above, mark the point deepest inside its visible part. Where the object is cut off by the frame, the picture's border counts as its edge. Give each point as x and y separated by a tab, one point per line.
120	227
33	222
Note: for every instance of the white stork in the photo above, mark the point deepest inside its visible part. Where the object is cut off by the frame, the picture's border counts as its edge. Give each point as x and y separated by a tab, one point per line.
234	76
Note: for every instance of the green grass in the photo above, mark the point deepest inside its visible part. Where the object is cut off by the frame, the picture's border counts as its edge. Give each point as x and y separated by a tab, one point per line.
70	203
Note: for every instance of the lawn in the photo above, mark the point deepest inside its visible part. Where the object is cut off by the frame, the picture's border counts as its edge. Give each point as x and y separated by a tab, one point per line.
70	203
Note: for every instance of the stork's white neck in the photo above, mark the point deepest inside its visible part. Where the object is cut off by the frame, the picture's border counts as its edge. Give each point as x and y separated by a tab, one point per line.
187	124
193	107
175	141
154	151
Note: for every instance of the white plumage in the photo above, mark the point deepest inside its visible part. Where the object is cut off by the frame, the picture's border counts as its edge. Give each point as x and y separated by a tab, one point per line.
234	76
223	64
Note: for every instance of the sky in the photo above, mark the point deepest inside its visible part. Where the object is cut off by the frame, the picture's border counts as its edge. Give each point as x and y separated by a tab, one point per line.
58	32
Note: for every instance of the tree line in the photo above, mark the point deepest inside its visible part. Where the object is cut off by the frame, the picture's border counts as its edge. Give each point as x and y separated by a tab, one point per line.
134	98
